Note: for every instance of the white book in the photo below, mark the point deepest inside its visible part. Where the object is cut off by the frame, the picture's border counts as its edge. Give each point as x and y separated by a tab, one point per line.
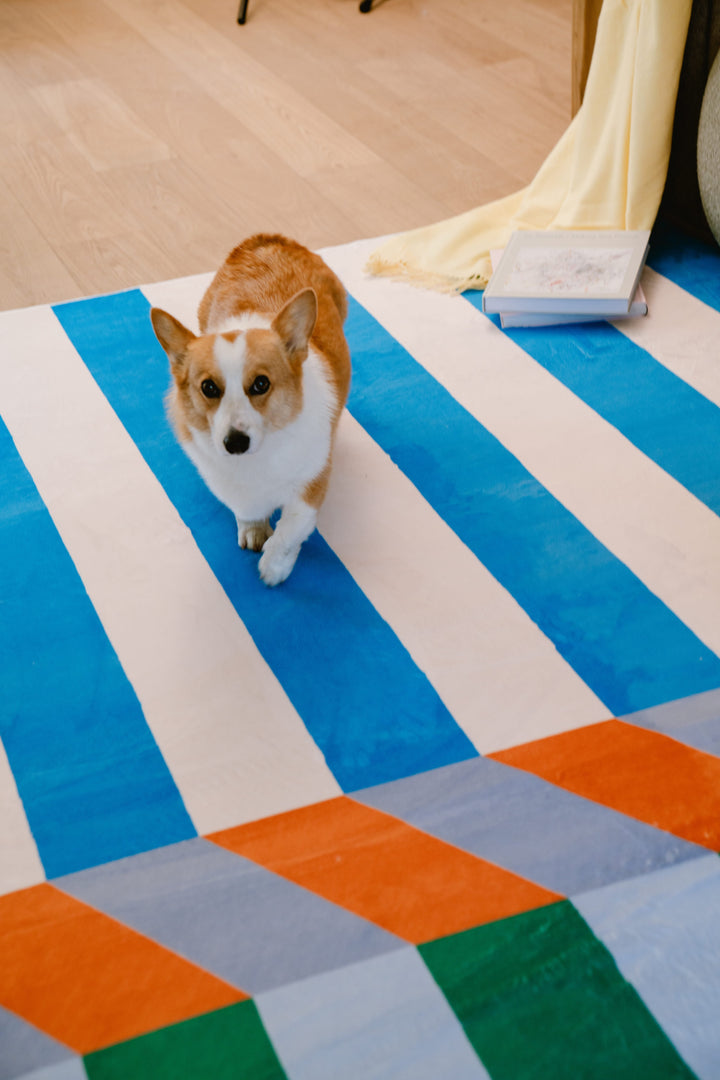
509	319
568	273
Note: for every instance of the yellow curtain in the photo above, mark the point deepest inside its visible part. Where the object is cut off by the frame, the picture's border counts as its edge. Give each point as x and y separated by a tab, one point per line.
607	171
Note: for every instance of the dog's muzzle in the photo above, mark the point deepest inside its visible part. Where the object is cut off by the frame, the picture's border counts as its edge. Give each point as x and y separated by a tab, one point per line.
236	442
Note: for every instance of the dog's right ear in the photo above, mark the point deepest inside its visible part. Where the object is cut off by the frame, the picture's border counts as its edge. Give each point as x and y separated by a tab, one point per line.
172	335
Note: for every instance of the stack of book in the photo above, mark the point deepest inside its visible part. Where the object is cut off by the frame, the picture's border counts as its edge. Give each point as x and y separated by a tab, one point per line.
565	276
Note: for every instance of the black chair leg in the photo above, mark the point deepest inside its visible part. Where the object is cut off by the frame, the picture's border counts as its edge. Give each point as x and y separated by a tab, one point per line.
365	6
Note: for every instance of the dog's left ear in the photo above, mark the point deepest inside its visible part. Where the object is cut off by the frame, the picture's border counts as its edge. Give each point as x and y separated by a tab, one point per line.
172	335
296	322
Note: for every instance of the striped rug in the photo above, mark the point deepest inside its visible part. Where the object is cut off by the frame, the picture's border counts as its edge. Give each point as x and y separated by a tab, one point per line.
446	804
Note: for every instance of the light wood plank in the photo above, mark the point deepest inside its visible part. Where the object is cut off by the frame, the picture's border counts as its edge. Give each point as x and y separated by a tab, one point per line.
22	119
141	139
279	117
98	125
20	284
65	199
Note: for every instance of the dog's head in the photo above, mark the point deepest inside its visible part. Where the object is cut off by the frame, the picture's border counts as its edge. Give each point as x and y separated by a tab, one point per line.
238	386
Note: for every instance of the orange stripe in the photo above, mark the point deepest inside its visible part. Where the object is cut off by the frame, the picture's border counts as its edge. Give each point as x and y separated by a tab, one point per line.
646	775
384	870
89	981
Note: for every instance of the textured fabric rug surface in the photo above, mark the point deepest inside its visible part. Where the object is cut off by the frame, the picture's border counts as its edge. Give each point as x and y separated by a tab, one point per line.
444	804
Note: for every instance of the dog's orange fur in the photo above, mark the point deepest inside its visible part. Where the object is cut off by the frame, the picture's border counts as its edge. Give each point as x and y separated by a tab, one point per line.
266	271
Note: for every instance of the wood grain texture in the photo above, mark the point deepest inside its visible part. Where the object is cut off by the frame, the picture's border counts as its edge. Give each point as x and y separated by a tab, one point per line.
584	28
142	139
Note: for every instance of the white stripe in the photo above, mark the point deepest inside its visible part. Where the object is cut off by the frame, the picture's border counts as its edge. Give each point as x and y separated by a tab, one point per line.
20	864
667	537
180	297
500	677
235	746
680	332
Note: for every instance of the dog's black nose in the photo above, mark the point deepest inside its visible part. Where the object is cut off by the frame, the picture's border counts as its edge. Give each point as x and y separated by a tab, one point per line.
236	442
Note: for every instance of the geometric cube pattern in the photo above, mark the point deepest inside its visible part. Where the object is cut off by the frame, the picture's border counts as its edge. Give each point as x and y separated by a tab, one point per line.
149	961
52	939
383	870
678	788
444	804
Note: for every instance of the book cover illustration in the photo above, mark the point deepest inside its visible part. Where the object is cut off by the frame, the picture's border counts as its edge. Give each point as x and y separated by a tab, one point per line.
569	271
511	319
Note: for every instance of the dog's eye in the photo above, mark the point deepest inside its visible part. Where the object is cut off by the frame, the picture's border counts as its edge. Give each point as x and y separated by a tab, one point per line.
260	386
210	389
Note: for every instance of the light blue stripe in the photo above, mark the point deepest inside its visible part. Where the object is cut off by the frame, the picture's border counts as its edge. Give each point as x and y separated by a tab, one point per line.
690	263
671	423
92	780
620	638
384	1019
525	824
66	1070
664	934
23	1047
371	711
694	721
245	924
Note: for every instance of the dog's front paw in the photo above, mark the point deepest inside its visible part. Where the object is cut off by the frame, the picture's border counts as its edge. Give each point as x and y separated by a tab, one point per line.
253	534
276	562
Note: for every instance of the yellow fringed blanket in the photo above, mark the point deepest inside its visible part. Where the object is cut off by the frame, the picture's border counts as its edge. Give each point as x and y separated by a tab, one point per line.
607	171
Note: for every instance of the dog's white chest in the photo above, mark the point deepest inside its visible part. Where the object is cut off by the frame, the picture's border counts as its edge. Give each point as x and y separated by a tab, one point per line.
254	484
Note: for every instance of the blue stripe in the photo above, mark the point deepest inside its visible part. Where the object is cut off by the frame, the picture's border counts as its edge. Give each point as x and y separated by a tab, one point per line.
690	263
368	707
619	637
676	426
91	778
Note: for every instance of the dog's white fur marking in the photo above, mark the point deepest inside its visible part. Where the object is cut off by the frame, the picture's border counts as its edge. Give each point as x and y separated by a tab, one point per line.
256	484
246	321
235	410
277	466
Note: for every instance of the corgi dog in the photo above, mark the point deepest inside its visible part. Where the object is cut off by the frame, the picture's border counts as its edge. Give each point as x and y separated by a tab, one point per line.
255	399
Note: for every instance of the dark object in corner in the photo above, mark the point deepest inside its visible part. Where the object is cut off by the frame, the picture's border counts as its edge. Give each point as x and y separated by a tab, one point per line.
708	150
681	203
365	6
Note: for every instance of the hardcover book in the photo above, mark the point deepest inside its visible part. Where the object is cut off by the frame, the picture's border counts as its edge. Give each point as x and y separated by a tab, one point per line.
510	319
568	272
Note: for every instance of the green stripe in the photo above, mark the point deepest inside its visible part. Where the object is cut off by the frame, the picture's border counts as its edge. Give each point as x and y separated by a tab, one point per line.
539	996
229	1044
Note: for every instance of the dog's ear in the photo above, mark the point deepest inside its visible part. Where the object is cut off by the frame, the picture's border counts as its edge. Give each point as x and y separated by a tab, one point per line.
296	322
172	335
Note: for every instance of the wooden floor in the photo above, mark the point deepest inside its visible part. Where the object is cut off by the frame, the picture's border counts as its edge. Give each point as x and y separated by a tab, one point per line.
141	139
